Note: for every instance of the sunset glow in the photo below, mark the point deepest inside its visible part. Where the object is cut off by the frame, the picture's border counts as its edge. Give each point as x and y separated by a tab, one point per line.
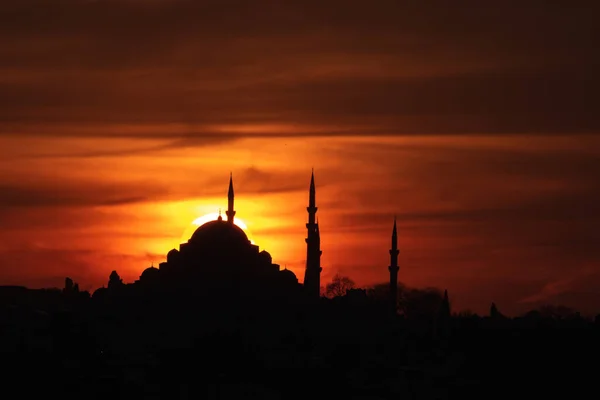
212	217
480	136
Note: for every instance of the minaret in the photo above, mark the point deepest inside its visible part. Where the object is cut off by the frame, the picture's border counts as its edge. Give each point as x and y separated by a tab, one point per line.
312	274
230	211
318	248
394	268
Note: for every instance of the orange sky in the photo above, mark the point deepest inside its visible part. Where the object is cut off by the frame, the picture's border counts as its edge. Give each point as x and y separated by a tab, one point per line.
121	120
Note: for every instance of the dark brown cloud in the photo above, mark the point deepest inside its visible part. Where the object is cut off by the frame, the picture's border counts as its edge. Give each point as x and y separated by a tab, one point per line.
430	68
23	225
111	151
253	180
74	194
43	192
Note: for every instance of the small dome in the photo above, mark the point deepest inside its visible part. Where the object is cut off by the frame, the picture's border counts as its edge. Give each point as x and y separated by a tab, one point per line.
288	275
266	257
149	273
219	232
172	255
100	292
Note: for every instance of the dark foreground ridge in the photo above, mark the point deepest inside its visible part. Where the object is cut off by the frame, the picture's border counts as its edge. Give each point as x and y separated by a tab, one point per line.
56	343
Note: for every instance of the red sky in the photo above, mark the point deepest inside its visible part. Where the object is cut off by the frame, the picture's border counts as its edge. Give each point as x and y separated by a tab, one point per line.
476	125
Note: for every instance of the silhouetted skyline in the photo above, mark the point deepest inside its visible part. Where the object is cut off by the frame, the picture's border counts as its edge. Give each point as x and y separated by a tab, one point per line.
473	125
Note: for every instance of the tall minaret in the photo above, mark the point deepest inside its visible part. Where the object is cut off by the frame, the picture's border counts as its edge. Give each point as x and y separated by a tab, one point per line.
312	274
394	268
230	211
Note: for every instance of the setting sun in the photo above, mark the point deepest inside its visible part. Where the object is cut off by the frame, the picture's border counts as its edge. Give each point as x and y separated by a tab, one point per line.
212	217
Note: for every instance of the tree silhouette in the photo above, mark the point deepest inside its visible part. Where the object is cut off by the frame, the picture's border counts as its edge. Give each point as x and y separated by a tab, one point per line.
338	286
552	311
71	287
420	302
444	310
68	285
412	302
494	313
114	280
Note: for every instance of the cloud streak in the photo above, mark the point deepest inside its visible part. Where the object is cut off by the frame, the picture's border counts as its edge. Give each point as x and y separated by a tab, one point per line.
42	192
407	68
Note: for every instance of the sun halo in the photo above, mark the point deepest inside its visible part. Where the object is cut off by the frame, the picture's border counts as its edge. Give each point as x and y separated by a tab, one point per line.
212	217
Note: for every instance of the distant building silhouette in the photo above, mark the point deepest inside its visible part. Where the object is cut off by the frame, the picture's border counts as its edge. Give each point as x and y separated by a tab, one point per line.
494	313
114	280
68	285
393	268
312	275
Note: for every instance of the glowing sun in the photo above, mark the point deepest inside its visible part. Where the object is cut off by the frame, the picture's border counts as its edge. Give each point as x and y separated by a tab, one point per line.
212	217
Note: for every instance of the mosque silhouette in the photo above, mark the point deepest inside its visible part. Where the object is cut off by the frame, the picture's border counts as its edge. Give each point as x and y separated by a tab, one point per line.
220	259
220	253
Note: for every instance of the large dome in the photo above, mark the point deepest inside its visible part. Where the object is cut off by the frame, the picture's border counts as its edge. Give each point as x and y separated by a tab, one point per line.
219	231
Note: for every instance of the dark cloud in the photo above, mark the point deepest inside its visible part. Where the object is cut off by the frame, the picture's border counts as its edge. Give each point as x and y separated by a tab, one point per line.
182	143
431	68
472	175
254	180
490	103
495	22
18	222
34	193
551	102
571	206
75	194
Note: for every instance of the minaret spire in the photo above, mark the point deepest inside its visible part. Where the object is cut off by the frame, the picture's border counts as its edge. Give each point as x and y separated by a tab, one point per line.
393	268
312	275
230	196
312	202
395	236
